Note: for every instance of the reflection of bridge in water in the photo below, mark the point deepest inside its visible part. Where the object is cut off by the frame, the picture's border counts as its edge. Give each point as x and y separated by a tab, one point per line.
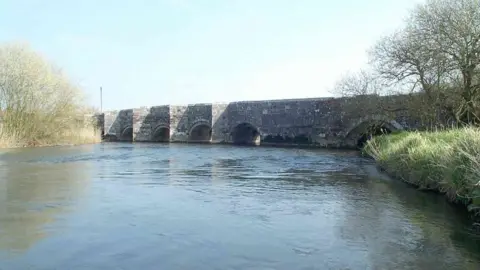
327	122
32	194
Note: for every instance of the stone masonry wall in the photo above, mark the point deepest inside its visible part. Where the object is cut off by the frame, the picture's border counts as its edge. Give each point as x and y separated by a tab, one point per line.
313	118
220	125
184	118
178	123
117	121
328	122
147	120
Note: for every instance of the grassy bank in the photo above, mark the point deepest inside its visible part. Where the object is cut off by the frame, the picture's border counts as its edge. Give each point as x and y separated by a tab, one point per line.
444	161
39	106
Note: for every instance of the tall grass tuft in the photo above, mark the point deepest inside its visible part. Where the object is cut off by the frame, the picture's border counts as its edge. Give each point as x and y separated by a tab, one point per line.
445	160
38	104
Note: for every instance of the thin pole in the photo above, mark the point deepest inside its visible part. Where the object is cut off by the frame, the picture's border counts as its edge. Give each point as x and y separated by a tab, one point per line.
101	99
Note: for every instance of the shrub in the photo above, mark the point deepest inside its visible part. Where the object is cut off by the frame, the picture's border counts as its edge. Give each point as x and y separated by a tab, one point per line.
39	106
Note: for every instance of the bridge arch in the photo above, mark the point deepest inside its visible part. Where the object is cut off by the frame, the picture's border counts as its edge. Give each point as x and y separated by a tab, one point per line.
126	135
292	138
366	127
245	134
161	133
201	132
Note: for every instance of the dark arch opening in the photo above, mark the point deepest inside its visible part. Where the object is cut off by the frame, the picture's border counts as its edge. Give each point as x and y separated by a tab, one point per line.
161	134
372	130
109	138
127	135
279	139
245	134
301	139
201	133
275	139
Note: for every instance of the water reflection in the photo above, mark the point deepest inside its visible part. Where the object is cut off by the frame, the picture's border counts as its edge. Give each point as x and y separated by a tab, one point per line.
35	190
414	232
221	207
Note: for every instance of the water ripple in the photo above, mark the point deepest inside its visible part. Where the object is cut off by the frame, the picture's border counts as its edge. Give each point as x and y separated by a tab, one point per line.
217	207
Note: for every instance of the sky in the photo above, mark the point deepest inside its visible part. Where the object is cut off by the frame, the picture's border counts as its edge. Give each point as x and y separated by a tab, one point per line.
147	53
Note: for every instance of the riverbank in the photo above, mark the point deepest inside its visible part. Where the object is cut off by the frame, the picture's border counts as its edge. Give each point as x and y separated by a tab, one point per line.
79	136
444	161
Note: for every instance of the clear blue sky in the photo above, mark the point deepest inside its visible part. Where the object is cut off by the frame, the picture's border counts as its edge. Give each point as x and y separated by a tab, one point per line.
146	52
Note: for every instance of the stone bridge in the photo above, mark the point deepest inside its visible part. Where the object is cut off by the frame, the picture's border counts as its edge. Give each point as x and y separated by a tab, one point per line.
325	122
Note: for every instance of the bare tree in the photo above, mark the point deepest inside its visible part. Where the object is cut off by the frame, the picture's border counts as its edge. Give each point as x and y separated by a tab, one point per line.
453	29
359	83
404	60
366	92
437	54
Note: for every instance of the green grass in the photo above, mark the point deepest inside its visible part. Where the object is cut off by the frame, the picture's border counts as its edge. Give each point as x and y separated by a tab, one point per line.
446	161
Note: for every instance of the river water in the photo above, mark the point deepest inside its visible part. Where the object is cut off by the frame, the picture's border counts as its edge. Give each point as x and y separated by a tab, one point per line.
173	206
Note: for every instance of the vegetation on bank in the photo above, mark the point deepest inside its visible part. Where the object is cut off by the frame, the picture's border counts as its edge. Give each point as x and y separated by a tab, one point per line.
433	59
447	161
38	104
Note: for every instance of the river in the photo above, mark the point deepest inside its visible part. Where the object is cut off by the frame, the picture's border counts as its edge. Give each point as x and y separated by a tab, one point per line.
175	206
